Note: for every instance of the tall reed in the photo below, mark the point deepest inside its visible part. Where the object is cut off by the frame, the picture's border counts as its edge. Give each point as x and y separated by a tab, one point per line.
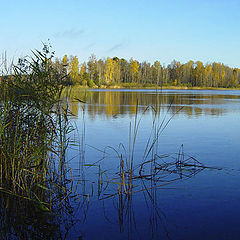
33	131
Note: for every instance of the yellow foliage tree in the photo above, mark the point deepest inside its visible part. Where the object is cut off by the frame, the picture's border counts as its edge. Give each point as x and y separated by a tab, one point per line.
74	70
134	68
109	70
64	64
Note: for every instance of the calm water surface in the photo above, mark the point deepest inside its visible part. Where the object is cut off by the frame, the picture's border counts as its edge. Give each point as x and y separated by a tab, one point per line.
203	206
198	200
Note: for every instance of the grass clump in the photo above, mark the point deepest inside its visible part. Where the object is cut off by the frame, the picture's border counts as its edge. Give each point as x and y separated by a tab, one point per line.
33	130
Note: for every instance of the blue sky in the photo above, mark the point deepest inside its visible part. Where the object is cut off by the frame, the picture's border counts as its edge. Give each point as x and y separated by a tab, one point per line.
205	30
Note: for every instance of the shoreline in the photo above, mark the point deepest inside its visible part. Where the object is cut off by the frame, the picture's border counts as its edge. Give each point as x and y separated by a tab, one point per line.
153	87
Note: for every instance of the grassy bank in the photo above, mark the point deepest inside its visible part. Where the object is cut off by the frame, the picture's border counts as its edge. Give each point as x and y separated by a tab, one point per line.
151	86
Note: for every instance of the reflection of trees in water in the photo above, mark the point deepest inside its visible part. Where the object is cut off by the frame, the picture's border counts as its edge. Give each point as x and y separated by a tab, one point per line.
114	103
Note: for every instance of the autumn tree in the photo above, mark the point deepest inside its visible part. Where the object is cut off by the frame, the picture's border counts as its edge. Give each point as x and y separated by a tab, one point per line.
84	78
133	70
199	74
117	71
109	70
74	70
65	63
208	80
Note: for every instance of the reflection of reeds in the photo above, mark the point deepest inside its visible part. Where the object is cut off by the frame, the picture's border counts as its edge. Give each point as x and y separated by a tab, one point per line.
153	172
134	177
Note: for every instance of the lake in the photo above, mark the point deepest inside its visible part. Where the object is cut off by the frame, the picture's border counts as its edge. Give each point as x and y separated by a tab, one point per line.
153	164
201	203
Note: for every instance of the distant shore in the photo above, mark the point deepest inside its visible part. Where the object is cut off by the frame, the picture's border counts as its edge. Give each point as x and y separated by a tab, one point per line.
144	86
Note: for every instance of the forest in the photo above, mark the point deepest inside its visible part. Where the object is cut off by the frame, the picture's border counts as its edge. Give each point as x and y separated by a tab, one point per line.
114	71
132	73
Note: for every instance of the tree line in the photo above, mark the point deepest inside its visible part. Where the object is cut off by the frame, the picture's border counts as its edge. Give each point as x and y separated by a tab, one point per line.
119	71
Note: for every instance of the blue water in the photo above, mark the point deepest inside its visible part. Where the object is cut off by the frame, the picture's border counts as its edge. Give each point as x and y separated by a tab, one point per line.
203	206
